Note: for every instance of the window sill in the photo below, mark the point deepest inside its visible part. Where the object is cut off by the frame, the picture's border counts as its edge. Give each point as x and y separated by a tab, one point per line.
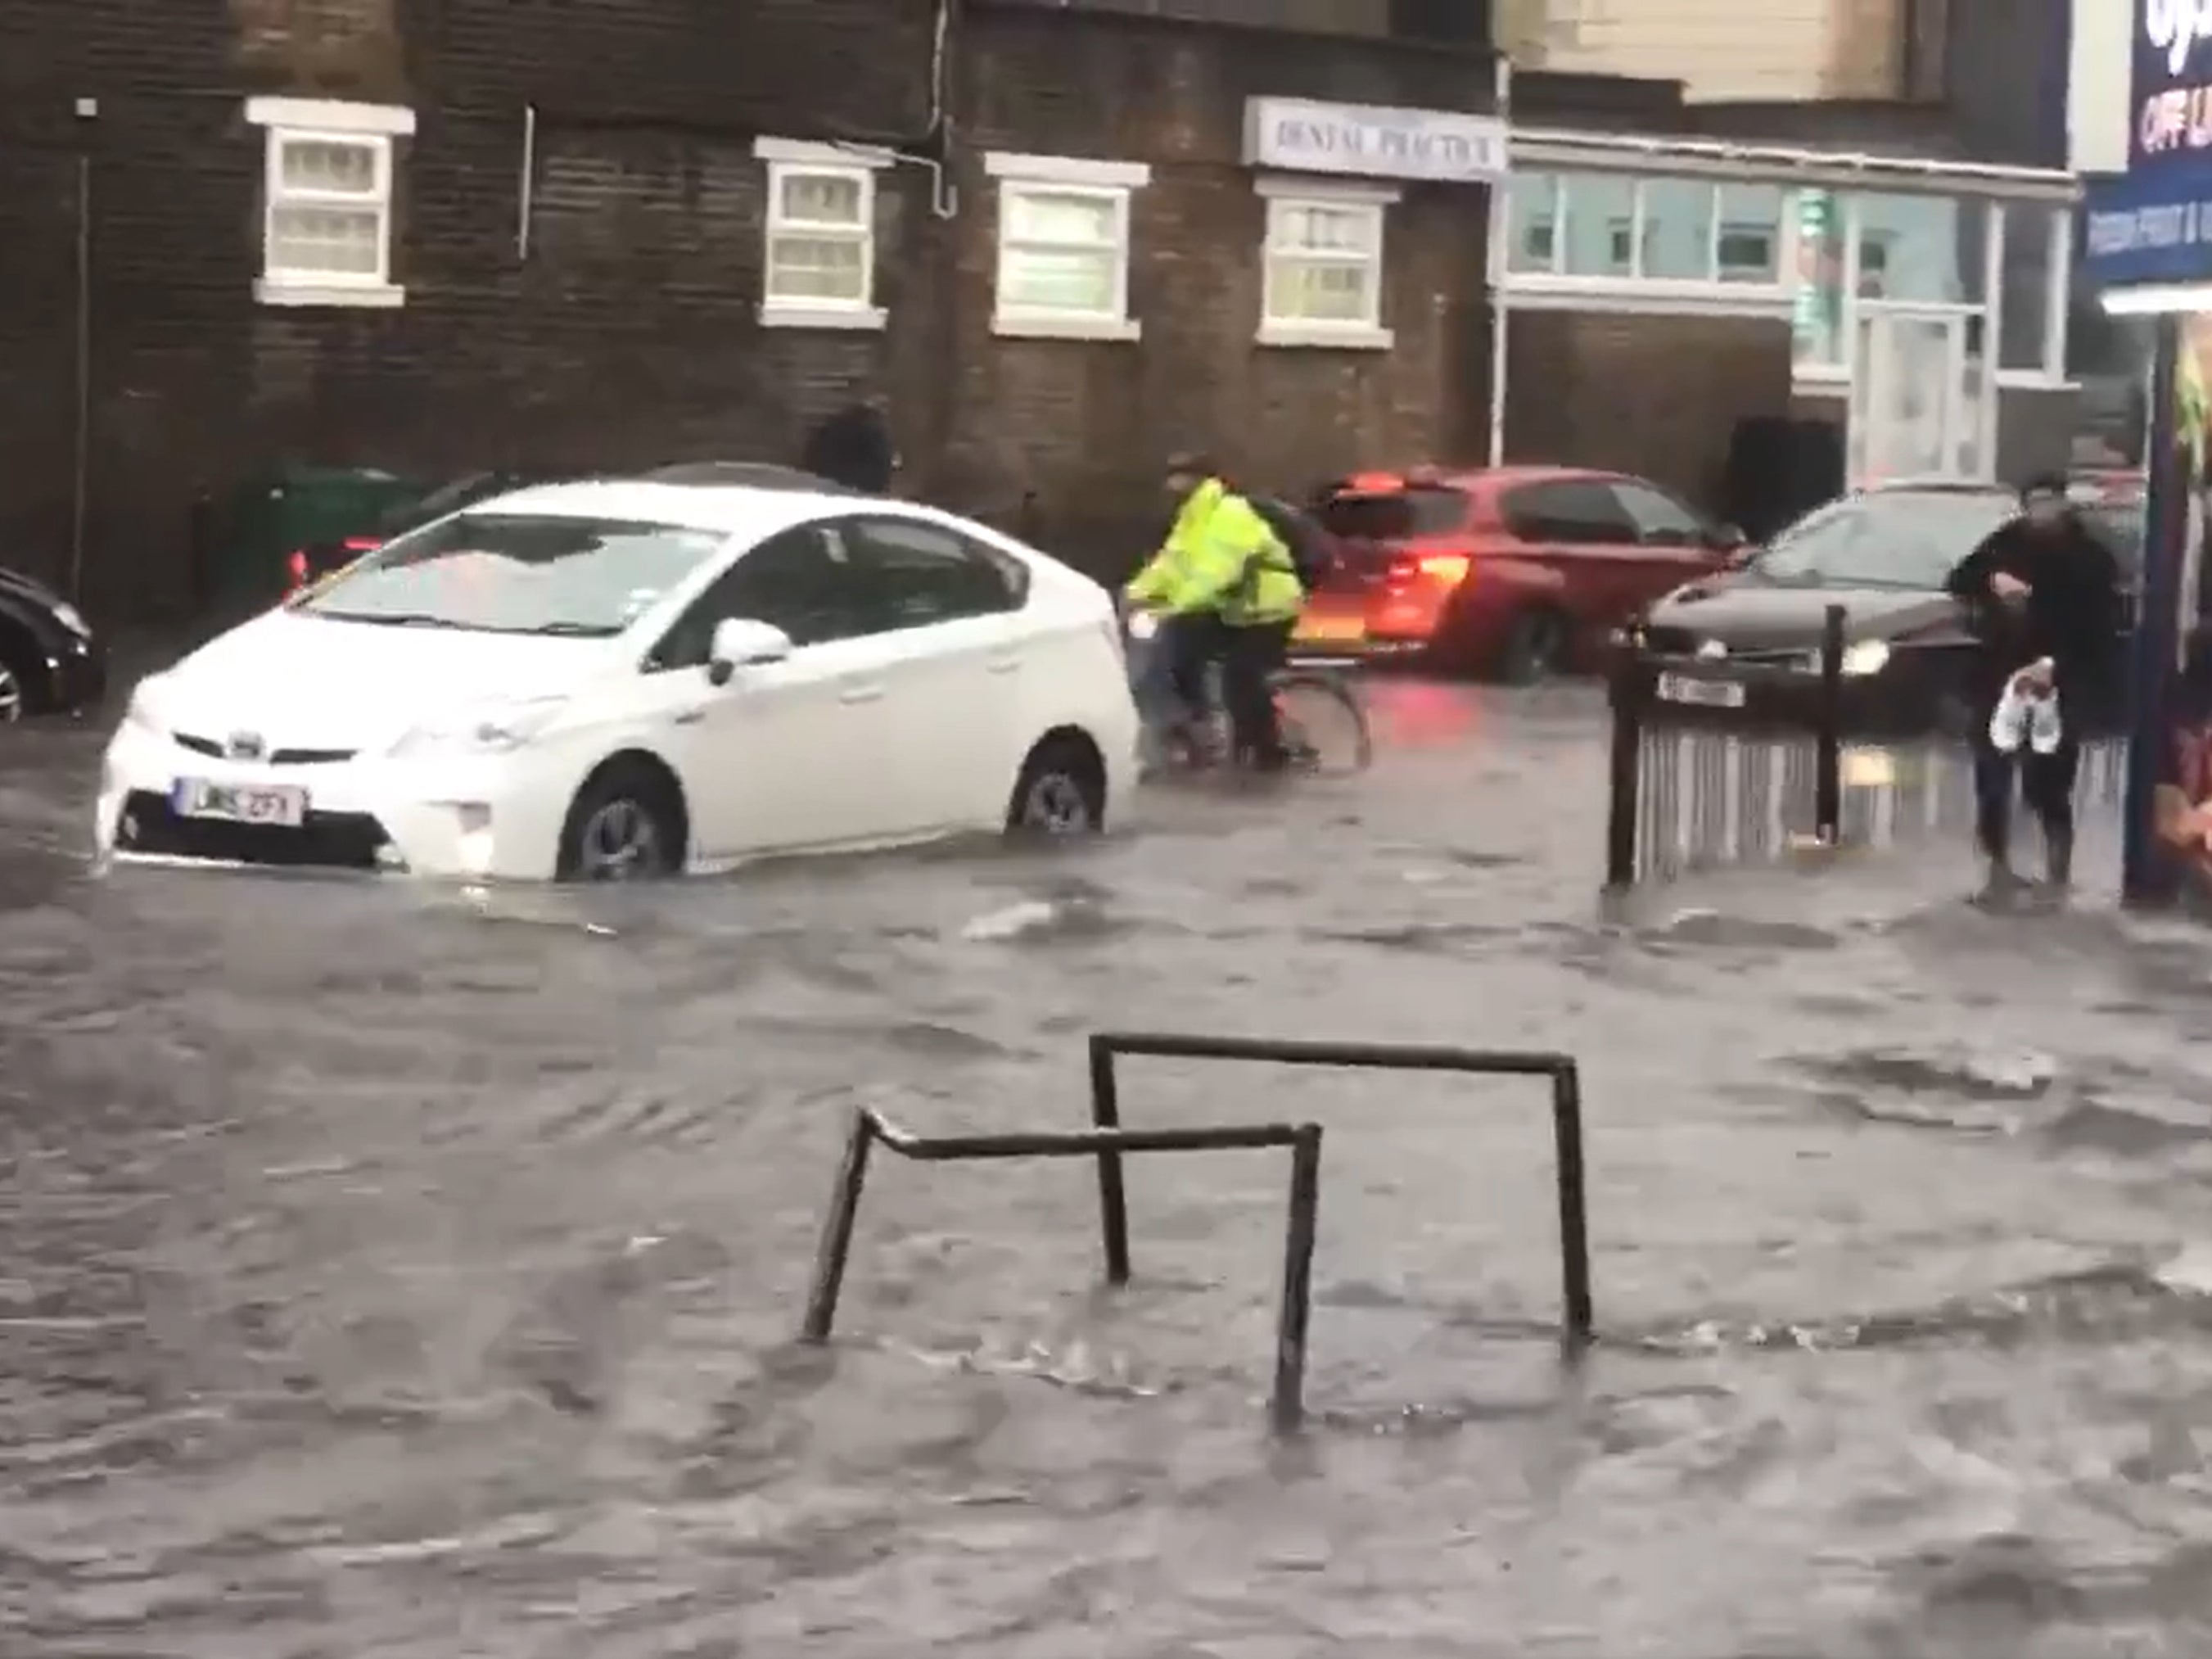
859	319
1326	336
1124	330
373	296
2034	380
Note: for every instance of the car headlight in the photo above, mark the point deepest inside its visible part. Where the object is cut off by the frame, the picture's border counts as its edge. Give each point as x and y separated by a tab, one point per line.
489	729
73	619
1867	657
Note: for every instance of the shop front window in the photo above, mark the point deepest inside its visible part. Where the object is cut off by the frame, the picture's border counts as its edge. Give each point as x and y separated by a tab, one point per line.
1928	250
1534	228
1599	210
1678	231
1819	317
2030	275
1747	238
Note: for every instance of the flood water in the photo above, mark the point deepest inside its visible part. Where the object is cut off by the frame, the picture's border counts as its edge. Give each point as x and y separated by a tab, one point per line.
393	1275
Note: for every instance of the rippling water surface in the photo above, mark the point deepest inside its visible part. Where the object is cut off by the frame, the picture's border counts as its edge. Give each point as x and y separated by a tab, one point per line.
393	1275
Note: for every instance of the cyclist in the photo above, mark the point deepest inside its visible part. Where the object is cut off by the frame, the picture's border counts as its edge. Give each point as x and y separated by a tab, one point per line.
1225	586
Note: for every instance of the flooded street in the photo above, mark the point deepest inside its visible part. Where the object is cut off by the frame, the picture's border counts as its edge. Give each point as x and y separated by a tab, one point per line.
391	1275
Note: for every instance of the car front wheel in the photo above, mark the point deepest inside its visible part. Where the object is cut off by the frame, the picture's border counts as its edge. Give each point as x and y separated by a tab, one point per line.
1062	790
627	824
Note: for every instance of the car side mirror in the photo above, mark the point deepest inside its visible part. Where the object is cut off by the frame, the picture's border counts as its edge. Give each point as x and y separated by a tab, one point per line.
1727	538
742	642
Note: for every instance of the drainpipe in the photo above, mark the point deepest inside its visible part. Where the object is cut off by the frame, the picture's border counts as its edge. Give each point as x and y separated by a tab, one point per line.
81	457
1501	231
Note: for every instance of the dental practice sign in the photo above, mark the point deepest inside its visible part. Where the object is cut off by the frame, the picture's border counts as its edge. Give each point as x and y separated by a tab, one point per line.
2154	225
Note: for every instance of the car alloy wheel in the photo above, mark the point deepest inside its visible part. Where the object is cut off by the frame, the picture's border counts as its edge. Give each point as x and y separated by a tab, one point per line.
619	842
11	696
1057	803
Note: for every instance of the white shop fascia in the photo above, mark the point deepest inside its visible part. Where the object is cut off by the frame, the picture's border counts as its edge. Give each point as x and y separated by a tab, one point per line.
1821	238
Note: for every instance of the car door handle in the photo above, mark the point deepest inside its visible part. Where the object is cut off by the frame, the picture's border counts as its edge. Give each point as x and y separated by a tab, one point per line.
1004	663
691	716
869	693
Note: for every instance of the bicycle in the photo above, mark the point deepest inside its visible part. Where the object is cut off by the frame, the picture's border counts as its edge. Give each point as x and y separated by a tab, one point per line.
1318	709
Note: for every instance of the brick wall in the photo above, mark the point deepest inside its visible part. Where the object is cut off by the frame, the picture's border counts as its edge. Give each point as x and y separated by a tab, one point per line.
1655	395
628	334
1087	425
1722	48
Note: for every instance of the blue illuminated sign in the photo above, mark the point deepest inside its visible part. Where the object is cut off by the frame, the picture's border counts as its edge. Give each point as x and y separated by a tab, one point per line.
2154	225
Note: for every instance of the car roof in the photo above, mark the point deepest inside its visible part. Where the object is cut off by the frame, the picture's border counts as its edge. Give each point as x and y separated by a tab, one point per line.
1935	486
1474	478
731	509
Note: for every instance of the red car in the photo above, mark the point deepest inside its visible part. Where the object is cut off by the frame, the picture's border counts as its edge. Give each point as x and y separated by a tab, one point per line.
1515	571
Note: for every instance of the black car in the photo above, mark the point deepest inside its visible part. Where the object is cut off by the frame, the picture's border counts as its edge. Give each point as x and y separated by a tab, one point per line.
1745	647
317	560
49	663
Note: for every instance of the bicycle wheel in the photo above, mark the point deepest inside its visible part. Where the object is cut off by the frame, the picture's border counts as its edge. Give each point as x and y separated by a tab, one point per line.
1324	723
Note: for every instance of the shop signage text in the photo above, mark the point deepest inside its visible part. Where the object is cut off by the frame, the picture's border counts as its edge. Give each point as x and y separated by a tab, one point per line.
1372	141
2154	225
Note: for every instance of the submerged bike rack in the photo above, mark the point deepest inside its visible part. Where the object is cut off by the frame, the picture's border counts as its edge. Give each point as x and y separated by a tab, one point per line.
1107	1142
1286	1402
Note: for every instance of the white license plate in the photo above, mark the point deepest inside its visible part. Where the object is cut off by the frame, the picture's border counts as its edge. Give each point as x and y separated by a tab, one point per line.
1703	694
240	803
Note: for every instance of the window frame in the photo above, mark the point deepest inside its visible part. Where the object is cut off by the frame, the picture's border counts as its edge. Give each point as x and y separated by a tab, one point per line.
1280	196
373	128
1698	533
858	530
1598	487
657	659
1067	176
790	158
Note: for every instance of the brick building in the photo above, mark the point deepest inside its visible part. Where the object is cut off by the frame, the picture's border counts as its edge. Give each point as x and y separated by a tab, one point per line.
450	234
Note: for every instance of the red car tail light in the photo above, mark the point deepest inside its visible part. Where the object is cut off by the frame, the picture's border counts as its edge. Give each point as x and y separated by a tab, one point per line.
296	568
363	544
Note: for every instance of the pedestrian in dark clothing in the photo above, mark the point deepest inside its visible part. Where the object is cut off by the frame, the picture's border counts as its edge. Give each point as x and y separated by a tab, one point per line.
2042	595
853	448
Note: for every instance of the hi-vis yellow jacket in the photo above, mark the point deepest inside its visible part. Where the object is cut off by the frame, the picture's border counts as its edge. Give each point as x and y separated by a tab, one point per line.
1220	556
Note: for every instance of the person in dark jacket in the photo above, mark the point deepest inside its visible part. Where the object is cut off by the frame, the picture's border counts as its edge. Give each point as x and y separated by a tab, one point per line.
854	448
2043	599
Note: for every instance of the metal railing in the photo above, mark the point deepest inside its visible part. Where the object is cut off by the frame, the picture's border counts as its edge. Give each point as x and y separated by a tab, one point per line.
1108	1142
1285	1400
1564	1076
1693	789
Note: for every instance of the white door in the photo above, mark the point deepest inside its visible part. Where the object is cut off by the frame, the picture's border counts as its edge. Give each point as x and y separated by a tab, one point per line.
1915	398
783	756
945	618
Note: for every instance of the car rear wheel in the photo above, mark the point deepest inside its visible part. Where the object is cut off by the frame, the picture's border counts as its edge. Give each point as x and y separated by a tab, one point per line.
1536	646
1062	790
626	824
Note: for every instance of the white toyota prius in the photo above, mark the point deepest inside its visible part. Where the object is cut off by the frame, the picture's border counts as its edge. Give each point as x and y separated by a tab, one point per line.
607	680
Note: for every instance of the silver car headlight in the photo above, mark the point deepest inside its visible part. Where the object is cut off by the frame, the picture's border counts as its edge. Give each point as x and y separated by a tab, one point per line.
71	618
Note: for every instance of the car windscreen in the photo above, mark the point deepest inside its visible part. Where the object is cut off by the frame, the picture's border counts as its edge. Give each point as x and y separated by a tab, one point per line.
515	573
1903	539
1396	515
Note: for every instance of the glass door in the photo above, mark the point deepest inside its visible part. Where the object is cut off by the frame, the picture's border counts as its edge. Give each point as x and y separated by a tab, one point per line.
1916	397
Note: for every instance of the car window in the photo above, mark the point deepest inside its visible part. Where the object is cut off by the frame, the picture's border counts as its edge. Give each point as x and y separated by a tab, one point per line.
1395	515
1906	538
912	573
1660	520
1579	511
801	581
518	572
